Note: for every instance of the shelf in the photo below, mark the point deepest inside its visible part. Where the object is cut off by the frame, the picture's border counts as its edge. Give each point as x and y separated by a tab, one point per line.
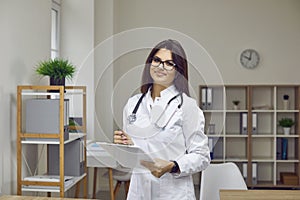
280	185
235	111
259	142
263	111
44	116
213	111
39	93
56	189
217	160
215	135
72	137
263	184
262	136
287	111
289	160
236	159
236	135
263	159
286	136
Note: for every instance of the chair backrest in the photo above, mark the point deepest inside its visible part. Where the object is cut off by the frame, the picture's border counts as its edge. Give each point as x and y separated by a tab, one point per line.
220	176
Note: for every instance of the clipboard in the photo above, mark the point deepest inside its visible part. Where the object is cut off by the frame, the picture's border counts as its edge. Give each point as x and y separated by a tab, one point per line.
128	156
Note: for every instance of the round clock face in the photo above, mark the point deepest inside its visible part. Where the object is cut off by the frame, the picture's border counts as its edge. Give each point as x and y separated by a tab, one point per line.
249	58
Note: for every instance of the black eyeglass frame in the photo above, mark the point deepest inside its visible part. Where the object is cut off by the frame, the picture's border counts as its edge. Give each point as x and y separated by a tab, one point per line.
168	65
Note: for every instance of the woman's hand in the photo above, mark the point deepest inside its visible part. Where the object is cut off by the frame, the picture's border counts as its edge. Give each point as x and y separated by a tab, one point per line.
159	167
121	137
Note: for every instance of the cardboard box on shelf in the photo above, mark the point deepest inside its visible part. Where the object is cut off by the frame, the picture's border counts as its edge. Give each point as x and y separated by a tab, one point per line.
289	178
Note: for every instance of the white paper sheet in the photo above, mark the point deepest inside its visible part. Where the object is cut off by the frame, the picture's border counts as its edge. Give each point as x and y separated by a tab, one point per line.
128	156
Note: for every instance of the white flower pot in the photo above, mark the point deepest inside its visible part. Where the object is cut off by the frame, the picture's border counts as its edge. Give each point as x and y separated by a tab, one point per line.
235	107
286	130
286	105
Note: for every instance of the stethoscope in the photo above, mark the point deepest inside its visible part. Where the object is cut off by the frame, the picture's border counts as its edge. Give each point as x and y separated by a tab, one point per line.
132	117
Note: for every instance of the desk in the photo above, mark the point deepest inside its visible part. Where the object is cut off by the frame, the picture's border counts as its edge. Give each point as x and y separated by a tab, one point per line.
98	158
15	197
259	194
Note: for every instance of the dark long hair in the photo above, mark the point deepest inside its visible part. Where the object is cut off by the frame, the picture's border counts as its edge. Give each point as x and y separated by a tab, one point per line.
178	57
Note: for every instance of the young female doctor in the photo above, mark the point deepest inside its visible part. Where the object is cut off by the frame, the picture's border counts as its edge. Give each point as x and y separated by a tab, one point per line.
168	125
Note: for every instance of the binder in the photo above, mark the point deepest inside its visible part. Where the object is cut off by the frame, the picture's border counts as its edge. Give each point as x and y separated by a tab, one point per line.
284	144
203	98
209	98
254	123
254	173
278	149
243	123
245	171
211	147
73	158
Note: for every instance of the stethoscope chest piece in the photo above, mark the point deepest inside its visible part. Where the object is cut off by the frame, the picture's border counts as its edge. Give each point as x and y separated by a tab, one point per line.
132	118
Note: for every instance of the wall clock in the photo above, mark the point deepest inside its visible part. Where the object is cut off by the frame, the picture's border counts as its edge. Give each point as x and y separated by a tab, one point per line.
249	58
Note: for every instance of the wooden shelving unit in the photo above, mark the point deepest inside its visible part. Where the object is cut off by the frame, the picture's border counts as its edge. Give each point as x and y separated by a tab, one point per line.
254	147
24	138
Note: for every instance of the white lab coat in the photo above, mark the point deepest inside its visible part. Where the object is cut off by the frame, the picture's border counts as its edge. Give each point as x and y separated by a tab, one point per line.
183	140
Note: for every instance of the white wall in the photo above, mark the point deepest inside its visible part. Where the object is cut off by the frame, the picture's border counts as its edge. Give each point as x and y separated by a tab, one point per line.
104	21
25	40
225	28
77	44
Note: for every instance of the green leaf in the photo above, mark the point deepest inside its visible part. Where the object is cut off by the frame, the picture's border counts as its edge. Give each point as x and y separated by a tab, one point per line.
58	68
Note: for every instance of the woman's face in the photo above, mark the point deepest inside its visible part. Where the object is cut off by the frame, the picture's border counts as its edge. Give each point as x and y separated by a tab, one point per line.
160	75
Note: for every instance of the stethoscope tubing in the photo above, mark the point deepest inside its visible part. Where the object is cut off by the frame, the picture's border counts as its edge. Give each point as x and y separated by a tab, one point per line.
132	117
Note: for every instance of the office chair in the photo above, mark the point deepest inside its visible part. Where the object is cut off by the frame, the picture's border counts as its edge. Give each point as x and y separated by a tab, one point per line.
220	176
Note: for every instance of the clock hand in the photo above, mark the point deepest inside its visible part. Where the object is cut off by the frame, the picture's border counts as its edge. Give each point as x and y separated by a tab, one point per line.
250	57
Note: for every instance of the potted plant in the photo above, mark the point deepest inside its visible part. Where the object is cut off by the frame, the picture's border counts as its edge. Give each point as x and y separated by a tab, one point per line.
236	104
57	69
285	102
286	124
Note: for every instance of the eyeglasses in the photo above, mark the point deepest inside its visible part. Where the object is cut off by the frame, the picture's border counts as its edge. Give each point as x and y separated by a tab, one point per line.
167	64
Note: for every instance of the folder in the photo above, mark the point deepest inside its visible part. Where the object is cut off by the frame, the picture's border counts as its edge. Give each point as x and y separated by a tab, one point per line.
278	149
209	98
211	147
254	123
203	98
254	173
284	144
243	123
245	171
81	157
